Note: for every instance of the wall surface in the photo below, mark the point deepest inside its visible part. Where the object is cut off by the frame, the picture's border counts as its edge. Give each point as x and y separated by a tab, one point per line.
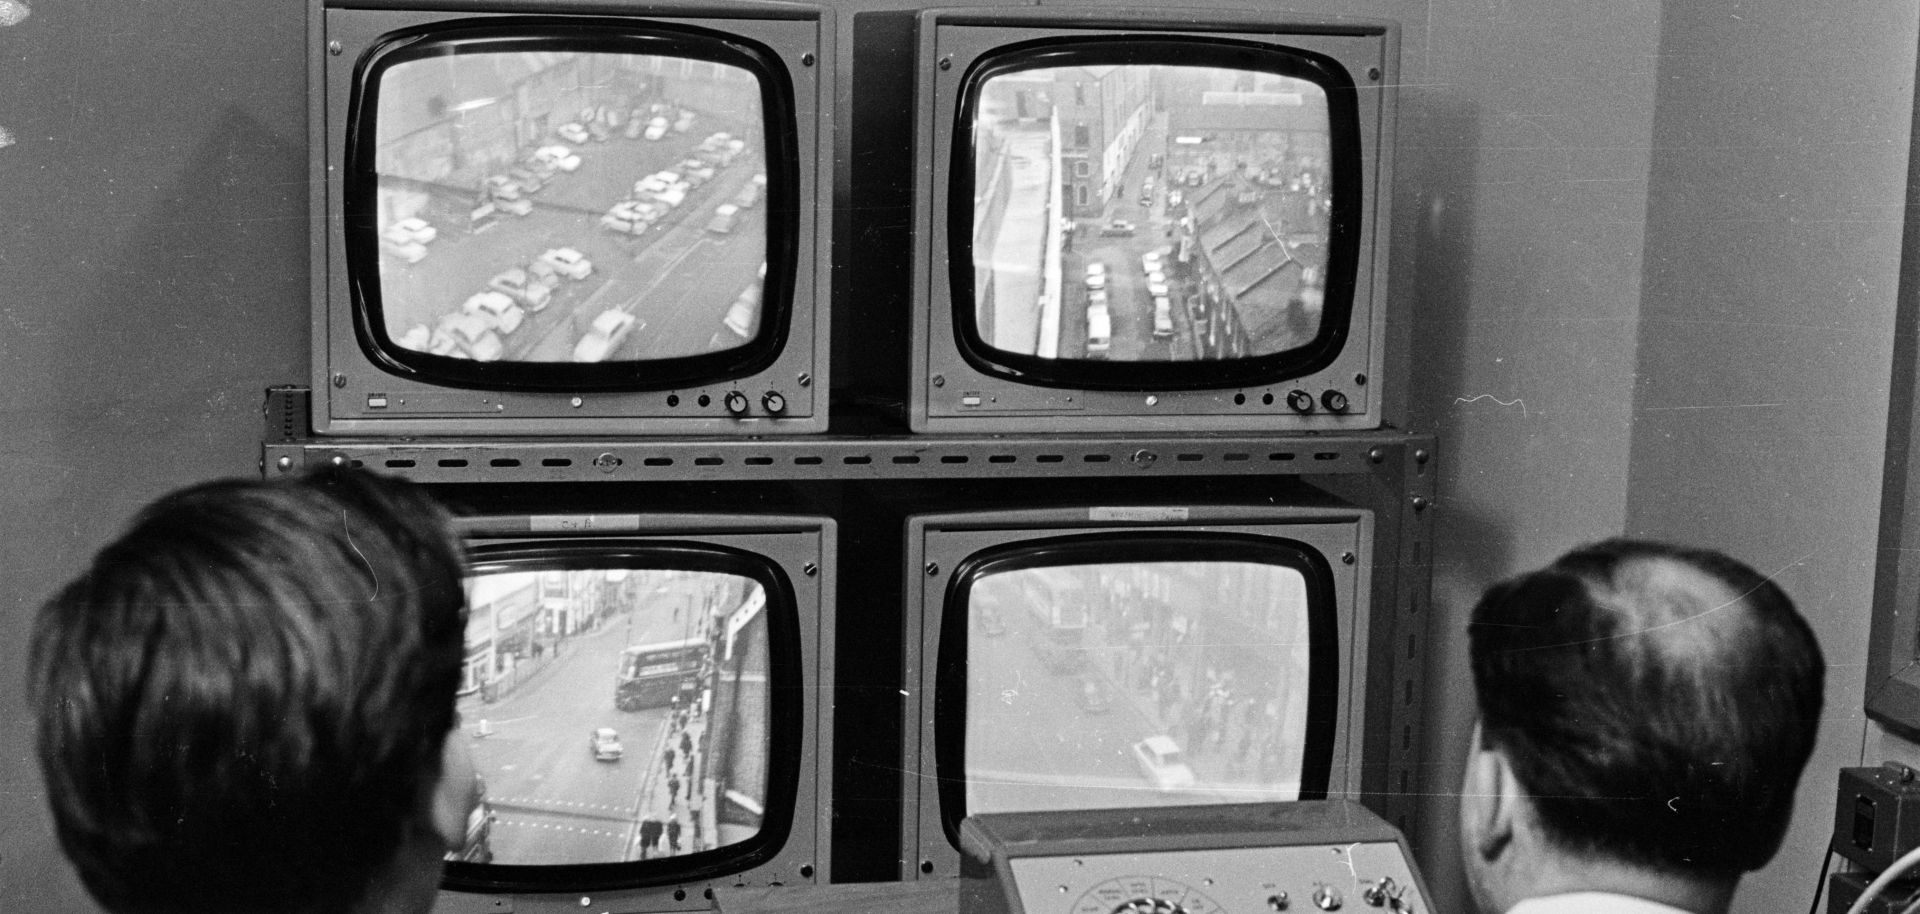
1773	239
1651	249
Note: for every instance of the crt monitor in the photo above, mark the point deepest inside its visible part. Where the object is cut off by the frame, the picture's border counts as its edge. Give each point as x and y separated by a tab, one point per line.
1121	657
642	698
602	221
1131	220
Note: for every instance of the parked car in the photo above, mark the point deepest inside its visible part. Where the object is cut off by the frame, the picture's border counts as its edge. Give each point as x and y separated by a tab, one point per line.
409	251
520	287
474	335
1161	761
412	228
748	197
1162	317
417	338
657	128
743	316
627	218
519	207
605	743
1099	331
684	122
1118	228
529	179
604	335
500	311
559	157
568	262
572	133
501	187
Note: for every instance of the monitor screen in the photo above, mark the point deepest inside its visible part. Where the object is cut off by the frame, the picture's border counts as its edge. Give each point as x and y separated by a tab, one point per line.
1206	240
1167	701
632	714
1143	669
1140	222
555	207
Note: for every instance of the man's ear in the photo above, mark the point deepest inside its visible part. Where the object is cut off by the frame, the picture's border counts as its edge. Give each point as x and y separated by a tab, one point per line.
454	795
1493	801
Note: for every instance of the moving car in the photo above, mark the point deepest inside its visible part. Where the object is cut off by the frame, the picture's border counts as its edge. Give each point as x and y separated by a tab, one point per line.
743	316
1118	228
606	333
1093	697
1099	331
1160	760
568	262
725	216
605	743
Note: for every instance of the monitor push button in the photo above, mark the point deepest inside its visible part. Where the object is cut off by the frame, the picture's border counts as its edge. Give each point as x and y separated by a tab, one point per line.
736	403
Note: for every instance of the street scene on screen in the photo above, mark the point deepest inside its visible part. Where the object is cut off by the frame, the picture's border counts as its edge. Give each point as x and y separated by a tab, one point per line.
1136	684
570	207
1149	213
614	714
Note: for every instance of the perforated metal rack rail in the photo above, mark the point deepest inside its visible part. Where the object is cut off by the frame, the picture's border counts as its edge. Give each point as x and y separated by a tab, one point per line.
445	459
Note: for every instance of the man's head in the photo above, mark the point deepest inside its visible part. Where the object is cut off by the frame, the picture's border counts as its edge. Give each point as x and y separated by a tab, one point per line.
1649	707
244	700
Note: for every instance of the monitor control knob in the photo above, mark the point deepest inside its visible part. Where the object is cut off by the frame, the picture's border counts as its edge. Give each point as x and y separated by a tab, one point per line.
1327	898
1300	401
736	403
1334	401
774	402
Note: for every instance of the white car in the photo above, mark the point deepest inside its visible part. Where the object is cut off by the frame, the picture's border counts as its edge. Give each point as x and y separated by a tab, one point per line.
568	262
725	217
519	207
521	288
1158	289
650	185
657	128
608	330
1162	317
474	336
412	228
1096	268
684	122
605	743
629	217
1161	761
497	308
1156	278
1096	280
409	251
559	157
674	195
417	338
573	133
744	315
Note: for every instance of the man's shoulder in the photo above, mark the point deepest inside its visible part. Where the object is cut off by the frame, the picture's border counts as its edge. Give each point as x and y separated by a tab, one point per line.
1592	903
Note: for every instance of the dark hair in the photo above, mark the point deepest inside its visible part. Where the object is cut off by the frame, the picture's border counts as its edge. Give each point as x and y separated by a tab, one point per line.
243	701
1656	702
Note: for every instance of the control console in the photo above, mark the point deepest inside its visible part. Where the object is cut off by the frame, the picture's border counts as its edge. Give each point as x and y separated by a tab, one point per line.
1328	855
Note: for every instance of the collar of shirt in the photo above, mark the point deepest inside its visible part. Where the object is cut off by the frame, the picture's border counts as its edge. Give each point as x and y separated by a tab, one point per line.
1592	903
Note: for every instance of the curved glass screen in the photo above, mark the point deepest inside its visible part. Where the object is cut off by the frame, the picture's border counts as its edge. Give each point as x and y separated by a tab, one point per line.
615	714
1096	685
559	206
1150	212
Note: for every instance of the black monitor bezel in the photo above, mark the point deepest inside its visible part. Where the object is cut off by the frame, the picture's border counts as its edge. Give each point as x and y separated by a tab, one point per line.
1119	547
1346	229
786	711
510	34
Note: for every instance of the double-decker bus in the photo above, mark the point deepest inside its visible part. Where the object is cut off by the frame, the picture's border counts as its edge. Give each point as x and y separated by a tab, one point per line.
650	675
1058	602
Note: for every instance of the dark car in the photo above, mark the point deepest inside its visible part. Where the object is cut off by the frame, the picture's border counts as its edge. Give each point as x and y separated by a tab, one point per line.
1093	697
1118	228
